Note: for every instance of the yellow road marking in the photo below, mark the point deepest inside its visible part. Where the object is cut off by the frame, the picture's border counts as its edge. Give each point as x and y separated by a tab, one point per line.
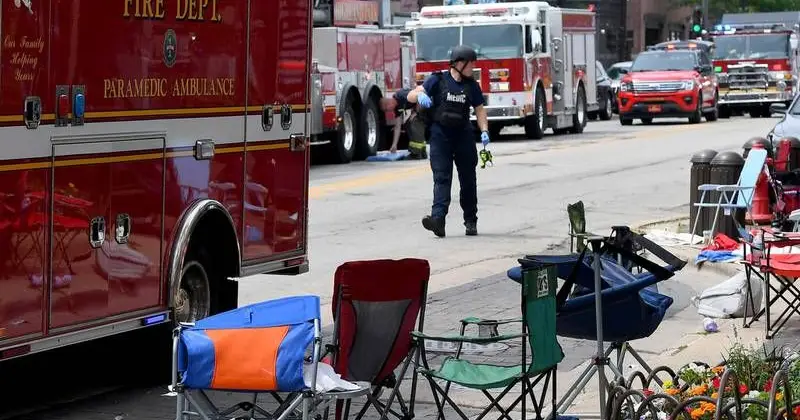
404	174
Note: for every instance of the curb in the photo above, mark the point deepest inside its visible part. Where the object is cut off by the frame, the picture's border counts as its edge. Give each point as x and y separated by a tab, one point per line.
686	252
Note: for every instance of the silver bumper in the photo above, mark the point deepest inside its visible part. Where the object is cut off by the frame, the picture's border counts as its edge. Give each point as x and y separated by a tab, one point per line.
501	113
754	97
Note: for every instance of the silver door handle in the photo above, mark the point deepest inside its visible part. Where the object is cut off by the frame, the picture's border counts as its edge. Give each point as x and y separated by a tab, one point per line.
123	228
97	232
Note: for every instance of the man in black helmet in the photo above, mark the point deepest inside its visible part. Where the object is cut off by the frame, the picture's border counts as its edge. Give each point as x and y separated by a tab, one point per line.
449	95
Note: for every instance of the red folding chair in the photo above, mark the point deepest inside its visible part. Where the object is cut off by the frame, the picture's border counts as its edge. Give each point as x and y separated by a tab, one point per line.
784	269
377	304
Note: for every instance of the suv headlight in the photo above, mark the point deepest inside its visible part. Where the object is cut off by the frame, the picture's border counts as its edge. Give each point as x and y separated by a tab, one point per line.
626	87
687	85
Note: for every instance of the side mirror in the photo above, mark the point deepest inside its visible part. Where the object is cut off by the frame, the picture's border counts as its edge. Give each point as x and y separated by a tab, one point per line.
777	108
623	71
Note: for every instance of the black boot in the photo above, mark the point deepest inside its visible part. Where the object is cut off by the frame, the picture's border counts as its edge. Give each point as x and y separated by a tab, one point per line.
434	224
472	228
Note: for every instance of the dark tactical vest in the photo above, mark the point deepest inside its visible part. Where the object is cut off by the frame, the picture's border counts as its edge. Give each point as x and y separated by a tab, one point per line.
452	110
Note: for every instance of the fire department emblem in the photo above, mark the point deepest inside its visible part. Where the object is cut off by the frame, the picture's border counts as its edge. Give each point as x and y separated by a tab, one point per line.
170	48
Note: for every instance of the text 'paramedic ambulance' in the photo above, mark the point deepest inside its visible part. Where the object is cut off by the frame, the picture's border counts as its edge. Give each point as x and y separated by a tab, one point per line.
152	152
756	61
536	63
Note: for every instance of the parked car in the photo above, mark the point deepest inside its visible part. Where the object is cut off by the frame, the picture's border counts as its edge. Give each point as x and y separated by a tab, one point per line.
615	72
605	97
670	83
789	125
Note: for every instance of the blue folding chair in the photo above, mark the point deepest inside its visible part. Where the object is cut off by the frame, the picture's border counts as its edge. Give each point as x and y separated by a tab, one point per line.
259	348
733	197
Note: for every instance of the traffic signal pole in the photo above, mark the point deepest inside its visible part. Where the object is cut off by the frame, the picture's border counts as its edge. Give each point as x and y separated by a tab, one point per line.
705	14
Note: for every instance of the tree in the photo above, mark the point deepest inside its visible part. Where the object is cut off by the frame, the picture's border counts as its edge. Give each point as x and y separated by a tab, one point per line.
719	7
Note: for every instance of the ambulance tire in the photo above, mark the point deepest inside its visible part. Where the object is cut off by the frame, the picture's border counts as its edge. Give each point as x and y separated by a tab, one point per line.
193	298
579	119
370	132
344	142
535	124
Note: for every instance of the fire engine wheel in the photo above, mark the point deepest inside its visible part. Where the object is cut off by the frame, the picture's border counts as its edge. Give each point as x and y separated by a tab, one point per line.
534	124
370	132
346	137
579	118
193	297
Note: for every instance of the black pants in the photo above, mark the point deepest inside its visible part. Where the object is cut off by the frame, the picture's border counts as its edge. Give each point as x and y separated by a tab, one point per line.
446	149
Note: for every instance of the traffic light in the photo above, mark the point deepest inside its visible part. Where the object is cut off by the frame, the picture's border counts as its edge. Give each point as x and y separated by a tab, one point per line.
697	23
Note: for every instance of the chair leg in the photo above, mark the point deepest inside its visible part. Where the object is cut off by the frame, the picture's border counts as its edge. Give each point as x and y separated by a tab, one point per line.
435	388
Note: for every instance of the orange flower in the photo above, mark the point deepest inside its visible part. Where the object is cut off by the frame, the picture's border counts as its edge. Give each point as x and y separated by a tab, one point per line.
707	406
672	391
697	413
718	369
715	395
699	390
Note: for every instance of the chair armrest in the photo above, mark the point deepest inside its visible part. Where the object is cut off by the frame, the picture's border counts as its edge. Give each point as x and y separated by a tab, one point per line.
731	188
484	321
708	187
465	339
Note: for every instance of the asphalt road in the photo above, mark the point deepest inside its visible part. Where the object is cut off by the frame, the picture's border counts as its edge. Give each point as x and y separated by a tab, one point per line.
624	175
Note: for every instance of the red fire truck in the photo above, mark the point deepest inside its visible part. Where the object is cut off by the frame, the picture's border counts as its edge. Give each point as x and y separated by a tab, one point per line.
756	58
152	152
536	63
357	61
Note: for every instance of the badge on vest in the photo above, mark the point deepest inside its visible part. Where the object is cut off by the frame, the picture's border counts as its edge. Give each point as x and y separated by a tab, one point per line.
460	98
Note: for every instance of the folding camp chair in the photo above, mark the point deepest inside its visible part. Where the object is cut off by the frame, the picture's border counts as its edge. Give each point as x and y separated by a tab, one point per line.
259	348
733	197
783	268
576	214
538	336
377	304
632	307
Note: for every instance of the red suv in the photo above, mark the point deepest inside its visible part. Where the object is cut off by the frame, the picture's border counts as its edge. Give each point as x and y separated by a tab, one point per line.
670	83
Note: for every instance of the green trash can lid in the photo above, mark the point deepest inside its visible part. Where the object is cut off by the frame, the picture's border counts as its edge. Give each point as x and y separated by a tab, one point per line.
703	156
728	159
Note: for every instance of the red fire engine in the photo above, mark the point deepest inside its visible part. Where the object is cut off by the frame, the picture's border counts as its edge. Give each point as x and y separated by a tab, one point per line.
153	151
536	63
756	60
357	61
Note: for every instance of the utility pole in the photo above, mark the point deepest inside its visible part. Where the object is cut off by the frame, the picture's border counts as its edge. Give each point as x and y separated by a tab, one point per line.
705	15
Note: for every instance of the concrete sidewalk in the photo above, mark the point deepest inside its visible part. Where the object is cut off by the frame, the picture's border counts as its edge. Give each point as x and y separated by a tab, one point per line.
679	340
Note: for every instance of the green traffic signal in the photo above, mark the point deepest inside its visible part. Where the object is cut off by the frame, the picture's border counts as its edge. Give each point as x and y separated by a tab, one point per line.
696	28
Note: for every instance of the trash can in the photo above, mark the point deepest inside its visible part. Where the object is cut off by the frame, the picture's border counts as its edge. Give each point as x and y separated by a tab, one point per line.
700	174
725	170
749	145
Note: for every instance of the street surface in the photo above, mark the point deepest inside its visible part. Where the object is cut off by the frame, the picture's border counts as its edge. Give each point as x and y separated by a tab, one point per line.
624	175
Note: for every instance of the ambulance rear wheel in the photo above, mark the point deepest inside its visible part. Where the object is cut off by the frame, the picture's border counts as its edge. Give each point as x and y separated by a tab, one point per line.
193	297
534	124
345	142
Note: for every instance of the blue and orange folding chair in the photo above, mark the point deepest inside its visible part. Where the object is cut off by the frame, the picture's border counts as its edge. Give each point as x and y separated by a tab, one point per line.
255	349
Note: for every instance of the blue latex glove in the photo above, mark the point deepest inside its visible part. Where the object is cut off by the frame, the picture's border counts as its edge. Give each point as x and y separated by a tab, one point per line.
485	138
424	100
